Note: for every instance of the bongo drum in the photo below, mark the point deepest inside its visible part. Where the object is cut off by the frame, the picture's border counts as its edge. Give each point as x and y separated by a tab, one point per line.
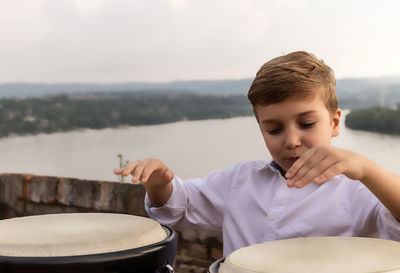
85	242
314	254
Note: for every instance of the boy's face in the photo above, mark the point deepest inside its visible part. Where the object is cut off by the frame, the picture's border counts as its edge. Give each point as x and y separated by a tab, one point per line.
295	125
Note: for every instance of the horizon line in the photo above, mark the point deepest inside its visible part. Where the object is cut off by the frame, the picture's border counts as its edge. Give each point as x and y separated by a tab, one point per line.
177	81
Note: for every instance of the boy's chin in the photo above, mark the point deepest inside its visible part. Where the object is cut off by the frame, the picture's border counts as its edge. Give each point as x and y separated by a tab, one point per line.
287	163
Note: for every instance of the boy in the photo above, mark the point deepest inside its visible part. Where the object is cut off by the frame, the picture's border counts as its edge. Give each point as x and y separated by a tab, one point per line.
309	188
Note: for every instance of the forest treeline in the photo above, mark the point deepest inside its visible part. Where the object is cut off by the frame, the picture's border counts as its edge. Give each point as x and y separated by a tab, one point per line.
20	116
375	119
67	112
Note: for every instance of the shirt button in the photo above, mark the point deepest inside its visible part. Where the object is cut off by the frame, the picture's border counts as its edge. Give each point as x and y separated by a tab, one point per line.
272	217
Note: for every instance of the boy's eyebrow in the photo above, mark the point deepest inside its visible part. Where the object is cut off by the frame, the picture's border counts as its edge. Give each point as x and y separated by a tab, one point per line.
298	115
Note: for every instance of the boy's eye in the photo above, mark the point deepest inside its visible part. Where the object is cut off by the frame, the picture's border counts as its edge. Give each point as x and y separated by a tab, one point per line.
307	125
274	131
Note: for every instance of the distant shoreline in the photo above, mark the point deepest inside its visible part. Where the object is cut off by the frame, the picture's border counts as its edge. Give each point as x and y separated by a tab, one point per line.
375	119
67	112
64	113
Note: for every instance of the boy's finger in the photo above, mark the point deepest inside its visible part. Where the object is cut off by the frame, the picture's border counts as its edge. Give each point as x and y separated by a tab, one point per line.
313	173
128	169
153	165
146	173
325	170
307	164
168	175
329	173
137	172
292	171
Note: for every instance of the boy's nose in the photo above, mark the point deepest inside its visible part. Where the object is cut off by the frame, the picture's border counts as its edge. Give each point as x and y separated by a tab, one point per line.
292	140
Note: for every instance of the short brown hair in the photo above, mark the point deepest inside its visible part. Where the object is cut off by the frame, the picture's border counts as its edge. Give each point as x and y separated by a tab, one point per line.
297	74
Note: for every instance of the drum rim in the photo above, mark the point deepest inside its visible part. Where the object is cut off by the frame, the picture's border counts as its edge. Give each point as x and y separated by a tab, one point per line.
215	265
97	257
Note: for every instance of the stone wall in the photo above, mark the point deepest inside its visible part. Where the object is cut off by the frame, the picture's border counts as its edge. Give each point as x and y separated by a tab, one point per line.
23	194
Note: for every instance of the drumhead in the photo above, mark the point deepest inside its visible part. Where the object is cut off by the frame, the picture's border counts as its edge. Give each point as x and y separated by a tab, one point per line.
73	234
316	254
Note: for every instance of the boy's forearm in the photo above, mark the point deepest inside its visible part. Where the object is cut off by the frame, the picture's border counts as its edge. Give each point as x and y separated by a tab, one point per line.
159	195
385	185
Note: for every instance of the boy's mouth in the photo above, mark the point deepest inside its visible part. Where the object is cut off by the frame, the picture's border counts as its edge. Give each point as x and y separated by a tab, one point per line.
292	160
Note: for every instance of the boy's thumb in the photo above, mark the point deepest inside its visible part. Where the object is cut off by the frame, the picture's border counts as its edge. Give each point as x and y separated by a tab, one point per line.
168	175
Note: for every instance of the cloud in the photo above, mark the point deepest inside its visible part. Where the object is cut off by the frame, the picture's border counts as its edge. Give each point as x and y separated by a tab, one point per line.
161	40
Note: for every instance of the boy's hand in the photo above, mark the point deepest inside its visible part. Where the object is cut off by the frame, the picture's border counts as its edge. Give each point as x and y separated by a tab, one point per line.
322	163
151	172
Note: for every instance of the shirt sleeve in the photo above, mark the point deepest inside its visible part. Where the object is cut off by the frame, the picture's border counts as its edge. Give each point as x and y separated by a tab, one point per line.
173	210
388	224
370	218
195	202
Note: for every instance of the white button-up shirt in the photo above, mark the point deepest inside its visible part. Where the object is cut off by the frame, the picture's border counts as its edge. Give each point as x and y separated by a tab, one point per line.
251	203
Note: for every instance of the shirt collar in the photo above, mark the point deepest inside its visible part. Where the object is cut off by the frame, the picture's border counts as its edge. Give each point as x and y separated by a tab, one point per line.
275	167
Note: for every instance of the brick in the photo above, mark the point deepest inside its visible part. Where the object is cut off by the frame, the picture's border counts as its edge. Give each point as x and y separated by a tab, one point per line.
182	259
128	198
10	187
103	196
190	269
216	254
43	189
74	192
205	235
188	234
198	251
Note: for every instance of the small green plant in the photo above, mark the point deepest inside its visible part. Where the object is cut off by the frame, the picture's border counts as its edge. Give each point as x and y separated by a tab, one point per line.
122	164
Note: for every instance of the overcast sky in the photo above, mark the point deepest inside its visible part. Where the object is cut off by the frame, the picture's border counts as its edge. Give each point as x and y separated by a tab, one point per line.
166	40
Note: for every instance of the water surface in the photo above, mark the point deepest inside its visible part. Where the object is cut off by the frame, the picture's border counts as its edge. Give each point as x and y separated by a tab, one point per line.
189	148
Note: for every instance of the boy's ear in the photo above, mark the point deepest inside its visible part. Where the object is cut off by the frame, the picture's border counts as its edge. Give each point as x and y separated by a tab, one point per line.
336	122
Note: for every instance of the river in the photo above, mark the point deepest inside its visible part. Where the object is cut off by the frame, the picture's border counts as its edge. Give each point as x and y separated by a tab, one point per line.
189	148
